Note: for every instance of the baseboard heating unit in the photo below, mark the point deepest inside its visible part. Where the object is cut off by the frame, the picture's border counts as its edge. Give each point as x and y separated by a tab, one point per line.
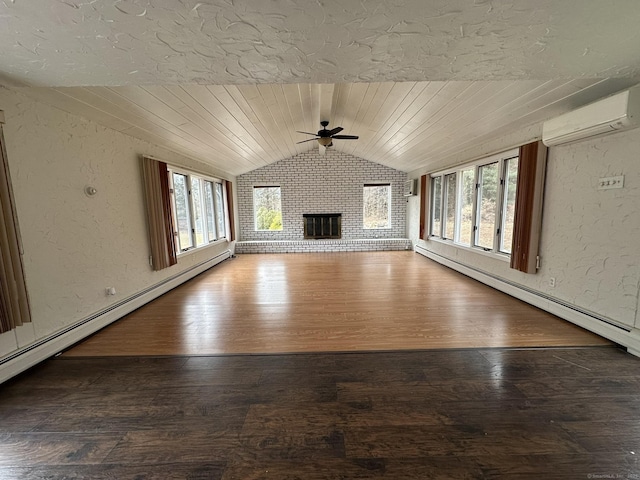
623	335
32	354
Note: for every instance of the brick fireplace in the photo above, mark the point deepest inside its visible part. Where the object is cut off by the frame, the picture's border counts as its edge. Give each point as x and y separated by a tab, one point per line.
322	226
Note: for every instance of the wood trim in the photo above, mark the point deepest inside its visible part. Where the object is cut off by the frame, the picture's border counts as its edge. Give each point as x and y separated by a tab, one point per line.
423	207
232	228
528	208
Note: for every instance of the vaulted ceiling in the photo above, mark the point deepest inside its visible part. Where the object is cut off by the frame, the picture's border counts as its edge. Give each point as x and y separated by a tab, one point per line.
230	82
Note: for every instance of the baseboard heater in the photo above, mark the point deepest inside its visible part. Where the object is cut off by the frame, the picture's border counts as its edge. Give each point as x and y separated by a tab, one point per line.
32	354
604	327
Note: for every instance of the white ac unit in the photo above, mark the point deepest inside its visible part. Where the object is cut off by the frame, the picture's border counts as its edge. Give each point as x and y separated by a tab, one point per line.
611	114
410	188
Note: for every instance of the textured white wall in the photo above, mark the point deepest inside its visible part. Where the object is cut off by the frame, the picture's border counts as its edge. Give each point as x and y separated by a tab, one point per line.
246	41
314	183
590	239
76	246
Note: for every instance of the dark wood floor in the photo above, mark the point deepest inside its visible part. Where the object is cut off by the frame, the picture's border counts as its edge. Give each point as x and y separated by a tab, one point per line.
564	413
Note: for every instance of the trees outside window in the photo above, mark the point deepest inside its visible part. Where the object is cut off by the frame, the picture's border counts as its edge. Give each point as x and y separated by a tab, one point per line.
464	212
436	204
196	209
474	205
220	211
509	203
267	208
450	206
182	211
487	201
376	201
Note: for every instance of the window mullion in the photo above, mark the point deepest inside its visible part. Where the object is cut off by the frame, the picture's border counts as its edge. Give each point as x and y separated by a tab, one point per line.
442	200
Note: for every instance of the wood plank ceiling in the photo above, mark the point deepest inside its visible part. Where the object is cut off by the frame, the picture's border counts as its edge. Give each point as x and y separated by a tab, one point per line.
230	83
402	125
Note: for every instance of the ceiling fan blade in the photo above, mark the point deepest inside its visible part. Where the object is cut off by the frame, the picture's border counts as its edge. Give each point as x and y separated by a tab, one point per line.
345	137
308	133
310	140
333	131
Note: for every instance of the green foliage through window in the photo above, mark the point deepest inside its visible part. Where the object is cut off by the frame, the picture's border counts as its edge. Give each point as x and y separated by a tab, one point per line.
267	208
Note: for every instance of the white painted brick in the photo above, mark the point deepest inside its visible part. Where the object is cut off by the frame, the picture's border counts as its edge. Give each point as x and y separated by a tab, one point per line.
314	183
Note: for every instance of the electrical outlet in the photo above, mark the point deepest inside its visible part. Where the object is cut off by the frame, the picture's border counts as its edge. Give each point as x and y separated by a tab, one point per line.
605	183
552	282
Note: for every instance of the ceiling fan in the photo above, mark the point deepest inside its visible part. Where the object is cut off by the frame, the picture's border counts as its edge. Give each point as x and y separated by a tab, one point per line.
325	137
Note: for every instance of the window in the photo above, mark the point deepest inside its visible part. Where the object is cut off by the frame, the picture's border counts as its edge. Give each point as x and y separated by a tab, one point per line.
450	206
508	203
209	206
267	208
474	206
219	206
487	202
198	213
195	209
464	213
182	211
376	200
436	199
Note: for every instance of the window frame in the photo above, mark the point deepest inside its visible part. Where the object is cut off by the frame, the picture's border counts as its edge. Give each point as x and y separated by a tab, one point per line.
504	201
389	200
202	180
496	208
255	217
432	202
471	243
444	205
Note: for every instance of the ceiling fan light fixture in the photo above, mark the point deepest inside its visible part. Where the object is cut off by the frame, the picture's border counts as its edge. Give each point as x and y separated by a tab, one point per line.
324	141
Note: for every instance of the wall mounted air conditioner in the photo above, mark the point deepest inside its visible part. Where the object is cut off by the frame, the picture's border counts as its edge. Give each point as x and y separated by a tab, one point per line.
618	112
410	188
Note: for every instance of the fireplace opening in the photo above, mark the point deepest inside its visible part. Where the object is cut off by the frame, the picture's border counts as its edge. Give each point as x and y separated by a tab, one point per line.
322	225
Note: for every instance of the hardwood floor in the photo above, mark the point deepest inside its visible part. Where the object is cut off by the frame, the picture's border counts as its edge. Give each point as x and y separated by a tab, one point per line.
195	385
330	302
556	413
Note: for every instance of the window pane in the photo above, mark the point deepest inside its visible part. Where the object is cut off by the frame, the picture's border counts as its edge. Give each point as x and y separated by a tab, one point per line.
183	216
208	207
509	205
198	221
450	208
267	208
220	216
436	204
376	201
466	207
487	197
